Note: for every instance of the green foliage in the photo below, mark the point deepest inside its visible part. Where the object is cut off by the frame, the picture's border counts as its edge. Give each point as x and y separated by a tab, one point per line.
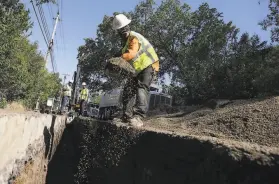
96	99
207	57
3	103
22	71
48	1
271	20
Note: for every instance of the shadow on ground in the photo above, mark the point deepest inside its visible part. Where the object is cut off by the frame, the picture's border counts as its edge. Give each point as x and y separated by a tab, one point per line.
48	138
62	166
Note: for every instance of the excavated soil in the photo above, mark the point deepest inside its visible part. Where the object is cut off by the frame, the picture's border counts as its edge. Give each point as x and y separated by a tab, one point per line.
254	121
235	144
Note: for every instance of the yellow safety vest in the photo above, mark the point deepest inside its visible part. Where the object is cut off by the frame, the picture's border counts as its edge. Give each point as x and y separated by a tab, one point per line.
84	94
146	55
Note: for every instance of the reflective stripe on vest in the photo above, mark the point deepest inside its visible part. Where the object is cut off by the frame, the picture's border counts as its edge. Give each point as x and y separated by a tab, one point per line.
146	54
84	94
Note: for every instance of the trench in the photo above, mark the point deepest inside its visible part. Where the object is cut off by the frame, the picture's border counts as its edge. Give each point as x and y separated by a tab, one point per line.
98	152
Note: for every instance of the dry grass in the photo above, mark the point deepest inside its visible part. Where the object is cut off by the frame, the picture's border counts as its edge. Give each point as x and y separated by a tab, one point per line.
16	106
23	178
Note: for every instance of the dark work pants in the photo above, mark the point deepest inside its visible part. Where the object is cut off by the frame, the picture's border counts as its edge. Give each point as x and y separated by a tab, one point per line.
65	102
135	94
82	106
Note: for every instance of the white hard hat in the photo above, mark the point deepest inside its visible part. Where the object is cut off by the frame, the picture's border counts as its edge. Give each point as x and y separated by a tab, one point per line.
84	84
71	81
120	21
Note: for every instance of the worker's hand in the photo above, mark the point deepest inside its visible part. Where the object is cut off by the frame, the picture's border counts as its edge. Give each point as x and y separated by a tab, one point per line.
155	77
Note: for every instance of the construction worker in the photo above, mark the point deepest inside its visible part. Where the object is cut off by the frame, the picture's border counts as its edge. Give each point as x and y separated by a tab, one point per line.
83	99
142	56
67	92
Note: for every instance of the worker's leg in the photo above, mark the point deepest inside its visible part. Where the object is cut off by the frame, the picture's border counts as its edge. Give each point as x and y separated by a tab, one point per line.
69	104
144	80
84	106
81	107
129	97
66	103
63	104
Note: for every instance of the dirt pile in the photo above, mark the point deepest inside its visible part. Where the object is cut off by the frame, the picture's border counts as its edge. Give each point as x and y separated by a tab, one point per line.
254	121
230	145
100	152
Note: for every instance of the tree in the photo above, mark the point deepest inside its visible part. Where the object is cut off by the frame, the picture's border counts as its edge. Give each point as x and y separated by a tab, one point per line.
206	56
14	23
48	1
22	71
272	21
190	43
93	54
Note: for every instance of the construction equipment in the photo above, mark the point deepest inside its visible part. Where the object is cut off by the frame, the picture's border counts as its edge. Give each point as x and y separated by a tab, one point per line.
51	106
74	103
92	110
75	92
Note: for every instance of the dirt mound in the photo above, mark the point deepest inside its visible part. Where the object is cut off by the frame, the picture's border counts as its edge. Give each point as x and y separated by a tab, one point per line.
94	151
254	121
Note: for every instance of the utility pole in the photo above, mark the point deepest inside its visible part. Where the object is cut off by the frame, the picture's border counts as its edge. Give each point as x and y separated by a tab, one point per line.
50	45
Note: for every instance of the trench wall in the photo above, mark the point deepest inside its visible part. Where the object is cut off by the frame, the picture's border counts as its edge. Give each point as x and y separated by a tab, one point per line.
27	143
110	154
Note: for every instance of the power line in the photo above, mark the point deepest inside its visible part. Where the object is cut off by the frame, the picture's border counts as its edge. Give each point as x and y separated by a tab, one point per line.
52	58
62	26
61	31
51	41
44	29
56	42
43	19
39	22
50	13
49	37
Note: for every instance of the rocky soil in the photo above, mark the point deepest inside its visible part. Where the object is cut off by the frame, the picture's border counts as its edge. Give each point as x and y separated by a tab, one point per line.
252	121
232	144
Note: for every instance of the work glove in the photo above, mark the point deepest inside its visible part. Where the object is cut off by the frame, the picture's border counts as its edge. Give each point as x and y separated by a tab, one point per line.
118	54
155	77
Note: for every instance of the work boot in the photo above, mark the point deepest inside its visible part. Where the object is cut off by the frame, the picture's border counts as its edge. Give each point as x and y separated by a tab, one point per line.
136	121
123	120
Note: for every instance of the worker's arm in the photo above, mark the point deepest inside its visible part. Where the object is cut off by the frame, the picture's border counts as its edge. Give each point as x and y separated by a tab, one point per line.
87	98
133	48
